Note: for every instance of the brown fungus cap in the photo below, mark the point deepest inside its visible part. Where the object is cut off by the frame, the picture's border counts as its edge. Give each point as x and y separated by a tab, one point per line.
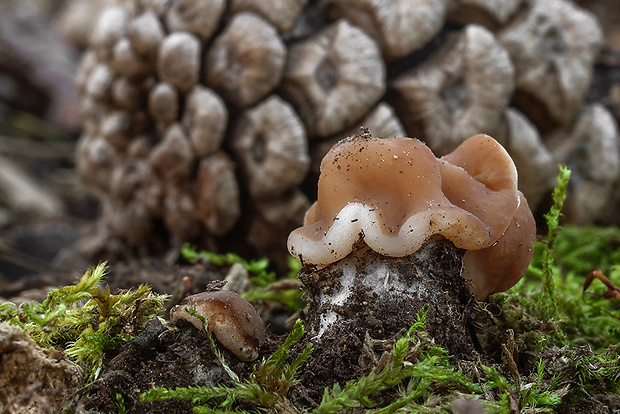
394	194
231	318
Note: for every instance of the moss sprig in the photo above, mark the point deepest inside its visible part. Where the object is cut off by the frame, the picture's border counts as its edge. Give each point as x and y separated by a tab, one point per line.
553	228
558	315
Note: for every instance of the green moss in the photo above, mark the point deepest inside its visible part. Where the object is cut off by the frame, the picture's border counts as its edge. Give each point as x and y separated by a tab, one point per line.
416	373
578	320
556	347
120	403
549	303
425	368
547	308
84	320
258	268
567	346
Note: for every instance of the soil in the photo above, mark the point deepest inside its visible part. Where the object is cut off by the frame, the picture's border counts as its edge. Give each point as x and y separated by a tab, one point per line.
344	350
159	357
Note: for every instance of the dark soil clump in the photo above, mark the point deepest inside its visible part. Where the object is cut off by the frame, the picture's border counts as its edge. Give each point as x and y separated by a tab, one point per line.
159	357
368	297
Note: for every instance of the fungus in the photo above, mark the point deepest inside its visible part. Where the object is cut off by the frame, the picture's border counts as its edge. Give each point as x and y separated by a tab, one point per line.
270	143
110	27
332	73
87	65
76	20
274	219
130	222
396	194
536	165
553	46
392	228
116	127
126	94
246	60
381	120
334	78
180	213
125	61
96	161
146	33
163	104
173	157
231	318
99	82
159	7
399	27
126	179
139	147
460	91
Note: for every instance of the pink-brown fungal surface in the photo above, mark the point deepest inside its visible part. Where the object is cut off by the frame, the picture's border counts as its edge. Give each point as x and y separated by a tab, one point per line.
394	194
232	319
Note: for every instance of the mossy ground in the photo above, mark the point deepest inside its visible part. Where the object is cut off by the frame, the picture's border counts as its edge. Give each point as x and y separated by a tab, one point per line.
548	347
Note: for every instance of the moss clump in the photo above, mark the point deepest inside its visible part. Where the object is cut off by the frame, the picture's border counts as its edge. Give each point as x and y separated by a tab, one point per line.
84	320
